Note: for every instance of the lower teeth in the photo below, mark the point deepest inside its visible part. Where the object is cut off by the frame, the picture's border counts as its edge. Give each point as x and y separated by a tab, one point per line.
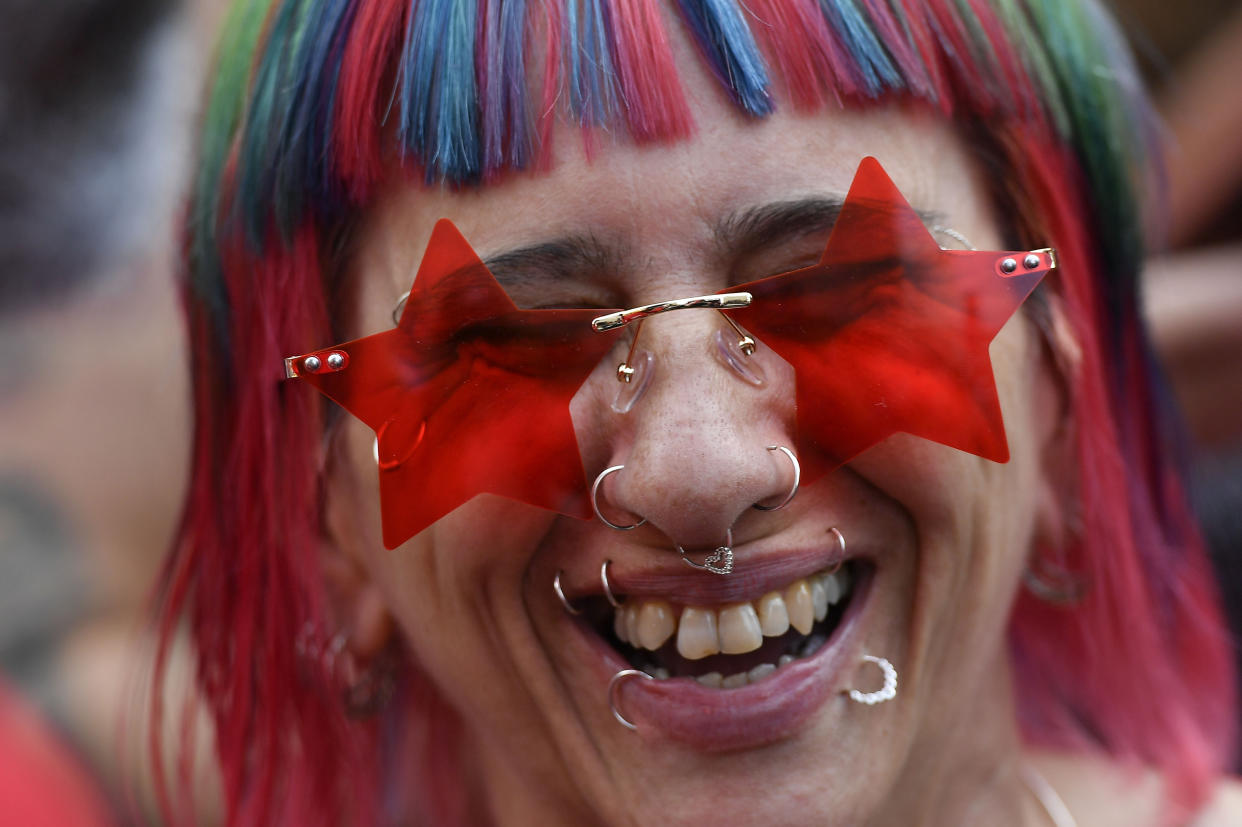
715	680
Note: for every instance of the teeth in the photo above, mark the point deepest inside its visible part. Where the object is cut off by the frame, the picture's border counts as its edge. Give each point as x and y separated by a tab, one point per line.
739	629
696	634
819	598
798	604
655	624
735	629
832	587
711	679
760	672
773	617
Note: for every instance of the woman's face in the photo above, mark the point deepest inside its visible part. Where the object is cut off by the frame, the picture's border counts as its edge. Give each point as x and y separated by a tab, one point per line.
936	537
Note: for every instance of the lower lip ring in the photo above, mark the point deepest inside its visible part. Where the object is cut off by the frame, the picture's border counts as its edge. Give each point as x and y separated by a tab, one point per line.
717	720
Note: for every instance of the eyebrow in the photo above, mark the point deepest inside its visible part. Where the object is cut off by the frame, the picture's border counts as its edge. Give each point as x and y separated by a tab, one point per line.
748	230
563	258
771	224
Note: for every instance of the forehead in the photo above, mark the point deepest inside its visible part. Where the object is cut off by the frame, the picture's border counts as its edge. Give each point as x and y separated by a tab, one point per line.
662	202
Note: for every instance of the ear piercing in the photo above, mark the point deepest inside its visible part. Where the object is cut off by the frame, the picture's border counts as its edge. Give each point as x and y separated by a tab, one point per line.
612	693
885	693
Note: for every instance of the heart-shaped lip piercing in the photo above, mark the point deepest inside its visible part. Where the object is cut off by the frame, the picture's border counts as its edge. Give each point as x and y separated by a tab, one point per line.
719	561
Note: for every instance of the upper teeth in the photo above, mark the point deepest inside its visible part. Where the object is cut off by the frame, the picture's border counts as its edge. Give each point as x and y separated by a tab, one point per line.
733	629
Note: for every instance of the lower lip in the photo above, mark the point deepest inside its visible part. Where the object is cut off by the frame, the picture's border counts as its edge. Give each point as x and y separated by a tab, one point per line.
718	720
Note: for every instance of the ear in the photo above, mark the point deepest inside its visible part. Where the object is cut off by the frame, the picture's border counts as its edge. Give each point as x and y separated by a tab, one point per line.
357	604
1058	515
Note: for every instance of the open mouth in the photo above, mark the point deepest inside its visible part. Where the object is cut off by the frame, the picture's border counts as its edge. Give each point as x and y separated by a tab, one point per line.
732	645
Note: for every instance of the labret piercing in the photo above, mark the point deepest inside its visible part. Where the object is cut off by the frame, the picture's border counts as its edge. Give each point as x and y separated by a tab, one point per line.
885	693
612	693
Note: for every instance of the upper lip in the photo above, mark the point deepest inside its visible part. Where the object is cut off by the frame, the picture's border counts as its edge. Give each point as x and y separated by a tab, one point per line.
753	576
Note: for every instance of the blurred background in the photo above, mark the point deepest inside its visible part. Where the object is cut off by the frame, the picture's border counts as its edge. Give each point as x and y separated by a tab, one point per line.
98	99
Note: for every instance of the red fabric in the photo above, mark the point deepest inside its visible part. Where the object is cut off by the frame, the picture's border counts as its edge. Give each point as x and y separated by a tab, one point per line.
40	781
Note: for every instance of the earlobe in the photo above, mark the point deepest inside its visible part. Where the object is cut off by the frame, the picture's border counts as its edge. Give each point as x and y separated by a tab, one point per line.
1052	573
356	603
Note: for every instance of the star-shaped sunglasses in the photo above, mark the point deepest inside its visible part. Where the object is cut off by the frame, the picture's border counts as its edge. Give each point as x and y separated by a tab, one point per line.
887	334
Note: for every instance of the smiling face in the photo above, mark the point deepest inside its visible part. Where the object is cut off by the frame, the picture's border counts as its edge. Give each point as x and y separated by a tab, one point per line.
936	538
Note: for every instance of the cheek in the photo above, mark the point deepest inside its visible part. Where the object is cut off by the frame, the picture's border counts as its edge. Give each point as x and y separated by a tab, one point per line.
973	518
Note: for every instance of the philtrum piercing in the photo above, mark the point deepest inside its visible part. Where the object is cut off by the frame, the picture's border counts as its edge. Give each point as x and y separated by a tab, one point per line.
836	532
886	693
612	689
560	595
797	469
719	561
603	578
595	501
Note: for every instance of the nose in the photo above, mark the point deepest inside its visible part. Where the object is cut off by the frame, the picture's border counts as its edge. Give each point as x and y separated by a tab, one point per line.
695	445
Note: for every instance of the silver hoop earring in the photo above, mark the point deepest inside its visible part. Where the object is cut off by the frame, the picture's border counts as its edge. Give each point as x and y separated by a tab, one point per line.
595	501
797	469
603	578
719	561
612	693
885	693
560	595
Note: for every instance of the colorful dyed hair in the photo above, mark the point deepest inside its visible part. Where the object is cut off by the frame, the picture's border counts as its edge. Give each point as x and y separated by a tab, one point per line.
316	102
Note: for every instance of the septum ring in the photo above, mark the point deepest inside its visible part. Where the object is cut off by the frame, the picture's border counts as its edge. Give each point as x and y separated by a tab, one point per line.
595	501
797	469
612	693
719	561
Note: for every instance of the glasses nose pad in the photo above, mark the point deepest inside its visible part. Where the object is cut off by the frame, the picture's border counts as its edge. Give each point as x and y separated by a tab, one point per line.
735	354
634	376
